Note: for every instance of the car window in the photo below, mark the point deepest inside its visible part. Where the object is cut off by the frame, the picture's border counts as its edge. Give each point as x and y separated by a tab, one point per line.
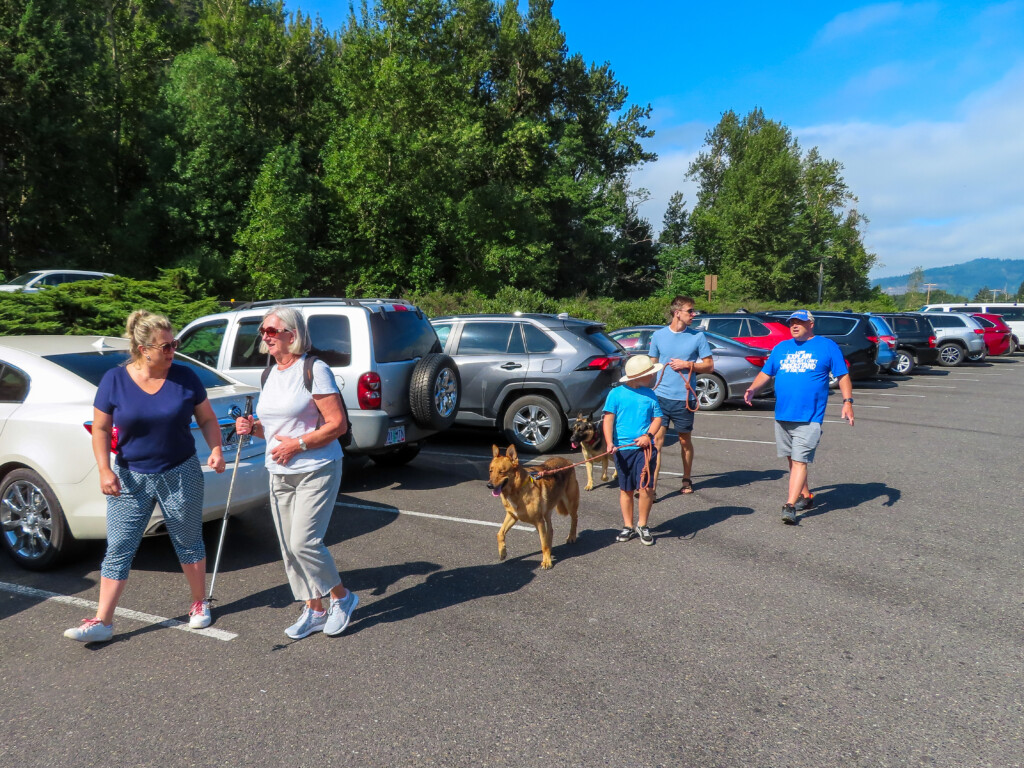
24	279
628	339
246	351
758	328
1008	313
595	335
485	338
13	385
984	323
970	310
725	326
881	326
538	342
53	279
906	325
331	338
402	335
92	365
946	320
443	330
203	342
826	325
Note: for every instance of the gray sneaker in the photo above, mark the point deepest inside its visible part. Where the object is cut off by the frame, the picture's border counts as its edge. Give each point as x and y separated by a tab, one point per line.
309	622
90	631
788	514
645	535
339	613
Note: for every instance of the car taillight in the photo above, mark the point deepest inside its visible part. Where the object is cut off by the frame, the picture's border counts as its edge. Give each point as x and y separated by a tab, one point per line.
756	360
931	341
873	339
890	340
368	392
599	364
113	435
980	330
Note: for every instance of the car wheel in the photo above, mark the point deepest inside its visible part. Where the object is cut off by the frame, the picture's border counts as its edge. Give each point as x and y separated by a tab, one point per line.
434	391
534	424
711	391
978	357
32	525
1014	345
904	362
398	457
950	355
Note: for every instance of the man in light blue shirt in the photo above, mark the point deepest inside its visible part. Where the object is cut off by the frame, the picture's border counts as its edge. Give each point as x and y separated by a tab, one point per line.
686	352
801	367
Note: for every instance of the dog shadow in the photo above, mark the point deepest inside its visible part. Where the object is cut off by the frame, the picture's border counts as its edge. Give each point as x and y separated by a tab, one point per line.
688	524
835	498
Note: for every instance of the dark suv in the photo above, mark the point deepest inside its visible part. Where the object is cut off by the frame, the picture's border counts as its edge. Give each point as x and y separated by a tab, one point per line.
915	341
529	374
853	333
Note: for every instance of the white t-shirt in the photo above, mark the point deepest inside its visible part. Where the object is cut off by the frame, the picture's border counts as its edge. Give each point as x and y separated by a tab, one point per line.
286	408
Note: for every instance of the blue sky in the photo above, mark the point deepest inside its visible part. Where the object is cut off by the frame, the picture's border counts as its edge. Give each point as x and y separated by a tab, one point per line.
923	103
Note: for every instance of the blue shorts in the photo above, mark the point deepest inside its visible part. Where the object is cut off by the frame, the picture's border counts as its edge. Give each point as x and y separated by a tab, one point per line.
629	465
676	413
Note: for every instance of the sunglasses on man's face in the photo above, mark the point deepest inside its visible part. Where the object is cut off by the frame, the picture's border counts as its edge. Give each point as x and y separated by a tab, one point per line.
169	346
272	332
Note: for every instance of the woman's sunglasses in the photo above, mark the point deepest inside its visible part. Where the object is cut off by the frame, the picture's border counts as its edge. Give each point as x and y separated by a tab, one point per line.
169	346
272	332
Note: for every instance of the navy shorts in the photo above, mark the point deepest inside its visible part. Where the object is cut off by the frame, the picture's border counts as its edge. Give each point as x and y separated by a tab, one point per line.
629	464
676	413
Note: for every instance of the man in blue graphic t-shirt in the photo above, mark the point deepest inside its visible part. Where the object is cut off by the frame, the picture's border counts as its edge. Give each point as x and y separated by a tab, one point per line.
801	367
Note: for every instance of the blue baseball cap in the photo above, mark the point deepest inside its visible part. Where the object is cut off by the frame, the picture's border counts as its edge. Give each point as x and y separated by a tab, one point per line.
802	315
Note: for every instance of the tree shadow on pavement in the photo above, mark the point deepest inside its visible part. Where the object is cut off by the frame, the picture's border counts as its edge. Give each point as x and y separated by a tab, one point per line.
686	525
833	498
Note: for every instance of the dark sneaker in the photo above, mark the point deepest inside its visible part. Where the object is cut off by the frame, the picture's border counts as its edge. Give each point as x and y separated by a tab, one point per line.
804	503
645	534
625	534
789	514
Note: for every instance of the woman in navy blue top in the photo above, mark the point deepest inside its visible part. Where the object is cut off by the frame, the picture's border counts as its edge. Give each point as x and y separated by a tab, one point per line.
151	401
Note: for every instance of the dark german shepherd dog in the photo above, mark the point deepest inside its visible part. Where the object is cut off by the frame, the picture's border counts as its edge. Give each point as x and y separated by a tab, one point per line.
589	435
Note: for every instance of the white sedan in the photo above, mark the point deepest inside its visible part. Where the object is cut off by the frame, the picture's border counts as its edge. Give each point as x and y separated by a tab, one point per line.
49	486
32	282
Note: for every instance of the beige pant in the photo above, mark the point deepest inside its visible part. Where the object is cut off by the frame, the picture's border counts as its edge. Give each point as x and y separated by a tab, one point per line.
301	507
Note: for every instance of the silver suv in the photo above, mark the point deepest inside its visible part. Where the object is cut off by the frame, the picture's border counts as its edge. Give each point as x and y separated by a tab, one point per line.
957	337
529	374
397	385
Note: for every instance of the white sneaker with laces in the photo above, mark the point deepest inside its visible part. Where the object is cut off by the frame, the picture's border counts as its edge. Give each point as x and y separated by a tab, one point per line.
339	613
90	631
309	622
199	615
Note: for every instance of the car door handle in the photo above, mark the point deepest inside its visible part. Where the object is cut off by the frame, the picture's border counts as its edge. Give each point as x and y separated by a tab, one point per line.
510	366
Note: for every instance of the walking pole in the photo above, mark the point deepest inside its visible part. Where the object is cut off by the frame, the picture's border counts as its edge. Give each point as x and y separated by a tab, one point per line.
227	505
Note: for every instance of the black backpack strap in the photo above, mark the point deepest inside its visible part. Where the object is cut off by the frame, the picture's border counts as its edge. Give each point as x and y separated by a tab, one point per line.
307	372
266	373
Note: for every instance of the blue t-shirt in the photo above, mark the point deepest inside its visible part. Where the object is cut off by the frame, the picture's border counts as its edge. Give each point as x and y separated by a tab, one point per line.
686	344
634	410
801	371
154	432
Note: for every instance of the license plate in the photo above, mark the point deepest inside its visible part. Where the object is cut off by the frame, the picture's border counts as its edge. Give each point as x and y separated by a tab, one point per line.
395	435
228	438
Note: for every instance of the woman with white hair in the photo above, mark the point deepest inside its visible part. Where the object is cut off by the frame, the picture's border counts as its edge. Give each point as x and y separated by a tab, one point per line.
301	419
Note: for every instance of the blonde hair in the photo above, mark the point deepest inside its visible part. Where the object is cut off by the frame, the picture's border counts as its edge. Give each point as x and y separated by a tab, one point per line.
294	322
141	326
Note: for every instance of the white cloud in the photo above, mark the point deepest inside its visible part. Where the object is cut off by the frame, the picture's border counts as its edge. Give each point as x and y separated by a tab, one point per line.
936	193
871	17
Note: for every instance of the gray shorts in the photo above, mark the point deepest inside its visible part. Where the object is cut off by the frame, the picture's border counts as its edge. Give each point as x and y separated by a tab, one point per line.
797	439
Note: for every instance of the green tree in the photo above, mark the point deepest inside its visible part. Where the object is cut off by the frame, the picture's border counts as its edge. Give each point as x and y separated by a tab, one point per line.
984	294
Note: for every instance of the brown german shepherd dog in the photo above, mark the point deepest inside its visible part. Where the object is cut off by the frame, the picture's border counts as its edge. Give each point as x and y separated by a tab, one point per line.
589	435
532	501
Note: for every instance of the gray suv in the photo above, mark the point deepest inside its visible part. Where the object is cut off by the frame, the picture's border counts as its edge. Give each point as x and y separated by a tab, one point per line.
529	375
957	337
397	385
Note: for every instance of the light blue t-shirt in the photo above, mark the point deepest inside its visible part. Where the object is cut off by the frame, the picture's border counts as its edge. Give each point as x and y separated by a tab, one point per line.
686	344
801	371
287	408
634	410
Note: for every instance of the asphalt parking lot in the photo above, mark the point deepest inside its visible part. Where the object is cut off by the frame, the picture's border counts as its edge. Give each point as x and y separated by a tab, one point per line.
884	630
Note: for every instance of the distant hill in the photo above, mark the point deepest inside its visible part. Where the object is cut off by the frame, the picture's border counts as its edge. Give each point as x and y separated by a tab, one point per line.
964	279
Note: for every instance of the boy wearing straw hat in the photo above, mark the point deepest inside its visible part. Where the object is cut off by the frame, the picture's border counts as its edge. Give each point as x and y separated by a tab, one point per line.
632	417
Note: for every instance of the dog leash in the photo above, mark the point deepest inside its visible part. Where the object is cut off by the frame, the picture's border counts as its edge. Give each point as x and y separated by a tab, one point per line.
545	472
686	381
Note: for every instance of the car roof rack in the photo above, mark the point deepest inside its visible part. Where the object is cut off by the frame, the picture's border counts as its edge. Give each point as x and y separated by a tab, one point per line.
370	303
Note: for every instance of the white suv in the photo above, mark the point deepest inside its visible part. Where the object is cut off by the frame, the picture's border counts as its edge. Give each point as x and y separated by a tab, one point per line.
398	387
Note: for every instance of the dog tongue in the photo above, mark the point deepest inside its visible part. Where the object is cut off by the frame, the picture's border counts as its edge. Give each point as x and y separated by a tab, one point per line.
495	492
574	446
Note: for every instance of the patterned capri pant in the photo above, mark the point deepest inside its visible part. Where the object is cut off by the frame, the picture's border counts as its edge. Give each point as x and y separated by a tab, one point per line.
180	493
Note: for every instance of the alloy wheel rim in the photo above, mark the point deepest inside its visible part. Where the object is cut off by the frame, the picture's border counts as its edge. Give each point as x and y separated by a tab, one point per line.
532	424
26	520
707	391
445	393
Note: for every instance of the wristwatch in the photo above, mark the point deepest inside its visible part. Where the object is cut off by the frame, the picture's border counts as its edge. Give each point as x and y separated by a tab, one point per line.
302	445
848	400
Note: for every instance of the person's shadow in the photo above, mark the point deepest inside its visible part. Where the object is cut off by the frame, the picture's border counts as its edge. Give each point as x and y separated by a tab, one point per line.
686	525
840	496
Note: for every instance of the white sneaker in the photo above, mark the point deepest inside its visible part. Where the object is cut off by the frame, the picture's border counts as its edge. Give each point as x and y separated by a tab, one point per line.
199	615
339	613
309	622
90	631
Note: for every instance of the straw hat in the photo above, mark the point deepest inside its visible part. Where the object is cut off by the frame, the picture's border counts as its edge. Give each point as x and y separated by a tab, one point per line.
639	366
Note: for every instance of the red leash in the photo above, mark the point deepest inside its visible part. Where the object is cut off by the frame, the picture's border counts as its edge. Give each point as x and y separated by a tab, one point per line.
689	388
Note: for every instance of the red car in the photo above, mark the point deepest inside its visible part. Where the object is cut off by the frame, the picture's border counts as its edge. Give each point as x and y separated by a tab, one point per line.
997	333
754	330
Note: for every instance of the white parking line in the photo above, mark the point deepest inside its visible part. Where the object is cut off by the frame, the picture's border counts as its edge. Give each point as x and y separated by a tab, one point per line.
733	440
883	394
394	511
771	418
144	618
930	386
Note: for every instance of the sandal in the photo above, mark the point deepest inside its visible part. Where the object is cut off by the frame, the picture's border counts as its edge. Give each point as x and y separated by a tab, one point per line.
687	485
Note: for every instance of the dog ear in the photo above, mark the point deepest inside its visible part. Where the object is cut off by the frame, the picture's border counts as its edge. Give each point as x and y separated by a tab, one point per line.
495	451
511	454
